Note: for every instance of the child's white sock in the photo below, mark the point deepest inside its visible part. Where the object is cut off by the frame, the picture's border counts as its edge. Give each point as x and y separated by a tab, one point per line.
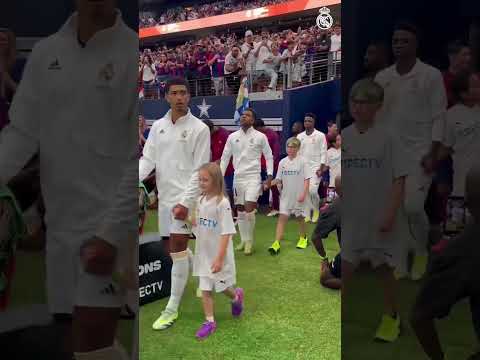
180	271
210	318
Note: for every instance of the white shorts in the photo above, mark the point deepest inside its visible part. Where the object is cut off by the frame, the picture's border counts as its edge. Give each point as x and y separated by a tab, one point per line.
376	257
246	191
68	285
209	284
167	224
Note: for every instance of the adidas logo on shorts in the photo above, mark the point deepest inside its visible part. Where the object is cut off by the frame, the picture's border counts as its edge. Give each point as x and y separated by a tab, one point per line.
109	290
185	227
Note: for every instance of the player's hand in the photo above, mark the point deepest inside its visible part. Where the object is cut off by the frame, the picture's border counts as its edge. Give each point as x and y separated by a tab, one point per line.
217	265
98	257
180	212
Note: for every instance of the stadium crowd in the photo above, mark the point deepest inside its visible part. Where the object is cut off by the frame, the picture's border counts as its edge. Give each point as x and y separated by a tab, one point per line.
185	13
215	64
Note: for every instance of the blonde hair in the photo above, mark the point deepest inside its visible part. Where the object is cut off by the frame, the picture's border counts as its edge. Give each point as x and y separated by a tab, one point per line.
213	170
294	142
11	55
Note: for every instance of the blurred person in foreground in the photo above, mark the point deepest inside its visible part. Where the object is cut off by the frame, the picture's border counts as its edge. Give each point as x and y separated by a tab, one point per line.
81	116
452	276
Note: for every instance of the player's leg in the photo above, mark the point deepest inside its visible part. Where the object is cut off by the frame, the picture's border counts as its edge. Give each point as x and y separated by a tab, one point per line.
416	191
236	296
239	199
315	197
389	328
308	205
280	231
302	233
250	208
180	271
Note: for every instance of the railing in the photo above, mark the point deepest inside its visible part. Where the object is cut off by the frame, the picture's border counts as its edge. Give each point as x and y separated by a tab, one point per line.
318	67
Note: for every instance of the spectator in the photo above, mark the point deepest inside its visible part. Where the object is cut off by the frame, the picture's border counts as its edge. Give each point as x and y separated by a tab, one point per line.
336	42
376	59
460	57
11	69
149	75
217	63
234	64
248	52
272	66
297	128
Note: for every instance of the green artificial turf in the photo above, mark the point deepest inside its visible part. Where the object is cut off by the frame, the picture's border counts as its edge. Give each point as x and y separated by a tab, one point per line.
288	315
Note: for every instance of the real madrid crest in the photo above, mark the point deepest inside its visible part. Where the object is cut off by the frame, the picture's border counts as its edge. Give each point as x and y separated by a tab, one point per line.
324	20
107	73
251	141
184	134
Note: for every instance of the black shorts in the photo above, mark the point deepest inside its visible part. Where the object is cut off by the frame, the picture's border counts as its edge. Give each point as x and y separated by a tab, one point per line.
447	282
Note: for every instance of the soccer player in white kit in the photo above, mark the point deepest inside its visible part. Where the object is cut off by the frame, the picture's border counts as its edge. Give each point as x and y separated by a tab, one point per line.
77	106
214	261
414	109
246	146
373	181
178	144
314	150
292	181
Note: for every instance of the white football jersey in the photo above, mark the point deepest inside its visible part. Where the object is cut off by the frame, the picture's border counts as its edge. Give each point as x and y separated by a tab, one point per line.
292	173
334	157
313	148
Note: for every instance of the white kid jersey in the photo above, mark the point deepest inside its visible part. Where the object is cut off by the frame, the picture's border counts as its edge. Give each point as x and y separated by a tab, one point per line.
213	219
463	136
371	161
313	148
414	108
176	151
247	149
292	173
334	157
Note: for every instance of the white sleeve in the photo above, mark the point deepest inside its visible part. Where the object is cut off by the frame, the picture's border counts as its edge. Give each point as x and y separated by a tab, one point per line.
323	149
19	141
438	106
201	155
227	227
148	160
267	153
226	155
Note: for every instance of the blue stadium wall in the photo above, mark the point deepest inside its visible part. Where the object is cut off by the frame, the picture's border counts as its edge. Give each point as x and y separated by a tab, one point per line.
324	100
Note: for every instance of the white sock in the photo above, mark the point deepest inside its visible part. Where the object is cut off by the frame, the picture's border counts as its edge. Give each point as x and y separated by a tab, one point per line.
114	352
250	221
242	226
210	318
180	271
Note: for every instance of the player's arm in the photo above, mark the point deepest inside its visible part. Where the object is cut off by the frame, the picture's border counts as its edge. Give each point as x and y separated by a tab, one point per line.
323	154
438	108
268	155
146	164
19	141
304	193
201	155
226	155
